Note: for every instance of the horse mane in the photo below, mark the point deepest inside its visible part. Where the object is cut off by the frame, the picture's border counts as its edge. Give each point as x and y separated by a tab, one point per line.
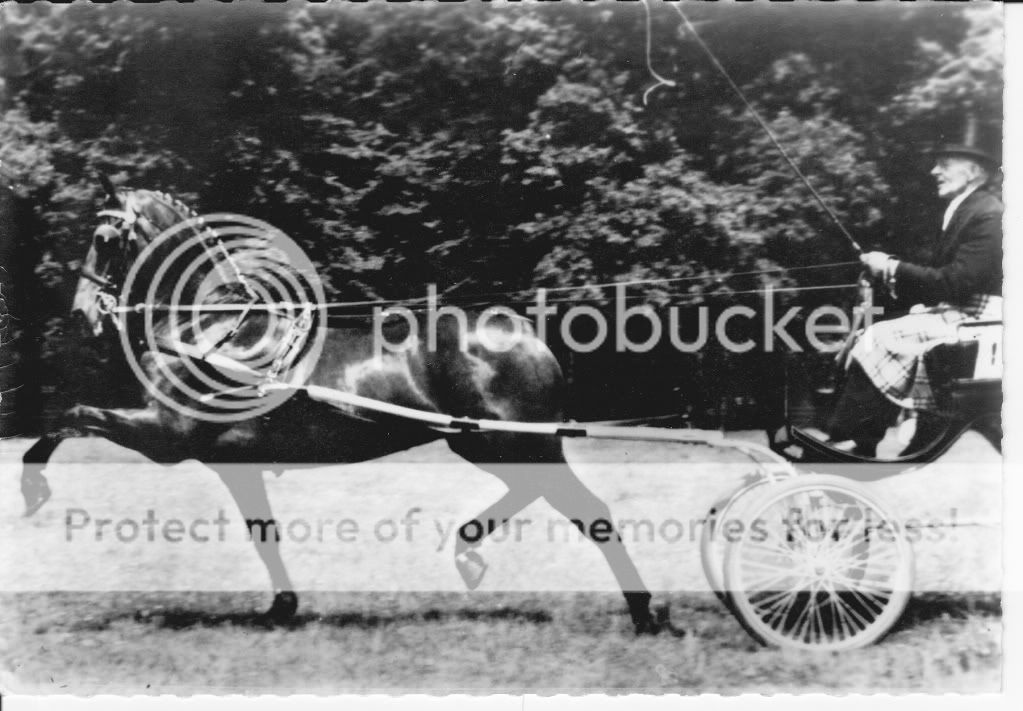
246	273
157	211
142	198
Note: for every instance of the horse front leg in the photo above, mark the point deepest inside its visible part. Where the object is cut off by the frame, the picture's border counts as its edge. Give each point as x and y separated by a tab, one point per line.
249	491
35	489
468	561
138	429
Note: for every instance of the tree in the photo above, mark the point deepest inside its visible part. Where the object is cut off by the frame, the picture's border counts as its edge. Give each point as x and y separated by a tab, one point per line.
956	79
498	146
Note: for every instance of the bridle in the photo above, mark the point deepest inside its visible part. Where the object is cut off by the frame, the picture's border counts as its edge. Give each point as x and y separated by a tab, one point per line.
119	230
121	226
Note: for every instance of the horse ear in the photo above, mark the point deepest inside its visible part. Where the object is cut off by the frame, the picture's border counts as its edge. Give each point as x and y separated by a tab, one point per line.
108	186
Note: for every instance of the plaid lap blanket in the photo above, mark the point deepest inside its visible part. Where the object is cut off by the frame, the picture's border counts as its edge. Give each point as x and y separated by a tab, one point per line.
890	352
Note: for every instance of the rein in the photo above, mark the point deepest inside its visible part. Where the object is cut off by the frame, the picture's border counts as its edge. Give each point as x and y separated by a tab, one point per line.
291	343
420	303
661	81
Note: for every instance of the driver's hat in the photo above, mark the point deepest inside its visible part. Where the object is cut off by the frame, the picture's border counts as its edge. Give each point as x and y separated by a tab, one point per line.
981	142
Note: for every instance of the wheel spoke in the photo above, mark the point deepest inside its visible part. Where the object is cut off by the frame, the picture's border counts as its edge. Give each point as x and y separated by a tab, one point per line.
846	615
801	619
775	546
777	572
848	612
824	576
874	603
821	631
774	611
848	542
862	585
842	624
768	598
776	617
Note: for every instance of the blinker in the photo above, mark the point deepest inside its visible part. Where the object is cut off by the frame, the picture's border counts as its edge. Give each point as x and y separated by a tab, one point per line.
107	232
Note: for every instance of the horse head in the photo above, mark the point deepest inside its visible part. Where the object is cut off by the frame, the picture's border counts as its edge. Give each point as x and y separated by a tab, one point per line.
158	277
130	221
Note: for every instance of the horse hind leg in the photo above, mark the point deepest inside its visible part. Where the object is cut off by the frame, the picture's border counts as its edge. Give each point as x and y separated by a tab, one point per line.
249	492
592	516
548	474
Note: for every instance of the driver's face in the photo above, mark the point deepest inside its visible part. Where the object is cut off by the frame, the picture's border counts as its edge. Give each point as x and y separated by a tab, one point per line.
954	174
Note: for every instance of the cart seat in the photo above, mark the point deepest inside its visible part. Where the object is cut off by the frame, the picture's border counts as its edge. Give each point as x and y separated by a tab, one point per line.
966	376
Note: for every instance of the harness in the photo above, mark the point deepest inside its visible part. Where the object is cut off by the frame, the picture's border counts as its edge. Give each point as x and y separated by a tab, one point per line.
289	349
108	299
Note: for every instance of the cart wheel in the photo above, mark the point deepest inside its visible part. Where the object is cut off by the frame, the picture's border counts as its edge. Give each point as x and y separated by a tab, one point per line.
712	554
819	566
713	544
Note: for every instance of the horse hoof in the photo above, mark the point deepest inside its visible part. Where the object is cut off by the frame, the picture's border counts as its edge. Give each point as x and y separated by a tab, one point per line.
471	567
36	491
657	623
283	608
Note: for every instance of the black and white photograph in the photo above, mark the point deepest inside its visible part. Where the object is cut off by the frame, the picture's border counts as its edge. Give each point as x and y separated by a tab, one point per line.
543	347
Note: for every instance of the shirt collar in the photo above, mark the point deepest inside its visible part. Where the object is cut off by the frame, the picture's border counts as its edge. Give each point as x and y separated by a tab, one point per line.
954	205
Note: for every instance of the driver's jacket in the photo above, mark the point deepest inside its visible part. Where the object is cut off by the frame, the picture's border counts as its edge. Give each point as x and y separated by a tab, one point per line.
962	282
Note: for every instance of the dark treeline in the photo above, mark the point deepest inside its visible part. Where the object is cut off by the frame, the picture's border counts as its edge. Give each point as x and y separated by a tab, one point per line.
496	146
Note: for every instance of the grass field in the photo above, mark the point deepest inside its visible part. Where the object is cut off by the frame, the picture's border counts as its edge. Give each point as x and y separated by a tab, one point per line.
131	619
182	642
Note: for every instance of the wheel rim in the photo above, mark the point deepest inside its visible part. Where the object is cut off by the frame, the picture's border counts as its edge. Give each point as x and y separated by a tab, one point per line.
821	567
712	555
713	545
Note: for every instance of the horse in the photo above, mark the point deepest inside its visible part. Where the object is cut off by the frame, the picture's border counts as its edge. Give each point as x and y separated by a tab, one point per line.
473	380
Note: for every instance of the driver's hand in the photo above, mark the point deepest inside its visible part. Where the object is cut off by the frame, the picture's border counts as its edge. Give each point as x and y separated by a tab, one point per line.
875	262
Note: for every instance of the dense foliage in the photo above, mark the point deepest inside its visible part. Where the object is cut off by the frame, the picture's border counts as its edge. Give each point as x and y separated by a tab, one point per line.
498	146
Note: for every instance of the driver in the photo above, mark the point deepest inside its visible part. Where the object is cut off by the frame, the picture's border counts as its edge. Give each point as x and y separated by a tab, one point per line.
962	281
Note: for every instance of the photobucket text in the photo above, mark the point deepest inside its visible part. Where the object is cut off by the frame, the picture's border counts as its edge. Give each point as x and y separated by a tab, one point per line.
738	328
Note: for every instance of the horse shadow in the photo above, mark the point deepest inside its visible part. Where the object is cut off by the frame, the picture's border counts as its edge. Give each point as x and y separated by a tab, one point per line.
181	618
